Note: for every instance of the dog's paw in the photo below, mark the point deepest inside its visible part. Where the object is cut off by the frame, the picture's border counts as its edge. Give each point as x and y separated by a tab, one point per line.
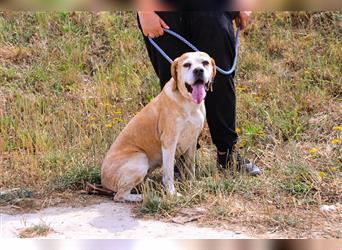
171	190
179	195
174	194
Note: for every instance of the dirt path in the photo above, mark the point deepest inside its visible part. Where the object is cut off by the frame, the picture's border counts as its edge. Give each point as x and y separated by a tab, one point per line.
105	220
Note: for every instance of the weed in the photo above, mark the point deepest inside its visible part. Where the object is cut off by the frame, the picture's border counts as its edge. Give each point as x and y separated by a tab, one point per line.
300	179
156	200
34	231
76	176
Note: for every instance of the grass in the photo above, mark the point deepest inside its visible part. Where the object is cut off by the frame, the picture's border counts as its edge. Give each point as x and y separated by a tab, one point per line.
70	81
34	231
76	175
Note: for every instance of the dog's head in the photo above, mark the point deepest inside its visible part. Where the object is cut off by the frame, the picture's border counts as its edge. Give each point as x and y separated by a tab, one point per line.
193	73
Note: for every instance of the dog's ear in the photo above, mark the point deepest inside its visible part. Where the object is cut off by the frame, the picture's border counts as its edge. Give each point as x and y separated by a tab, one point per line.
174	73
214	69
174	67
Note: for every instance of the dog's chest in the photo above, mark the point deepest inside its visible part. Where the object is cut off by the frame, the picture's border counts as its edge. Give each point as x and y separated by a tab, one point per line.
190	129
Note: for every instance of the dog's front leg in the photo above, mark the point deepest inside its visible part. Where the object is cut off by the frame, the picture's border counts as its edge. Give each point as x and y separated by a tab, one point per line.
168	167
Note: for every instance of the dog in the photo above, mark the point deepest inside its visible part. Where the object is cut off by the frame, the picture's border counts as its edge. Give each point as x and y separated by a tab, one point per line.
166	128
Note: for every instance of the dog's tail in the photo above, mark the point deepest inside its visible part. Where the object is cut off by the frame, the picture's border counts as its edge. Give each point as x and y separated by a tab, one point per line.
97	189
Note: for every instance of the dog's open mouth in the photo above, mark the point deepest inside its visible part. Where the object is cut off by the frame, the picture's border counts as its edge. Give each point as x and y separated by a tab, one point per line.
197	90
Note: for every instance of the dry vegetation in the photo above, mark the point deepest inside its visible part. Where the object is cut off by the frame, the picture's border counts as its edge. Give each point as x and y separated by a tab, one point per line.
69	82
35	231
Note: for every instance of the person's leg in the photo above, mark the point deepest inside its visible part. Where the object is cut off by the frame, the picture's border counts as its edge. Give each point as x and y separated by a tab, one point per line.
171	45
212	32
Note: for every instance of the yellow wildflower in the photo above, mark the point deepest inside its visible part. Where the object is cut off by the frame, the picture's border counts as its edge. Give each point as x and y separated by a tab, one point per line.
313	151
117	119
335	141
241	88
92	118
258	99
106	104
339	128
322	174
118	112
238	130
108	125
333	168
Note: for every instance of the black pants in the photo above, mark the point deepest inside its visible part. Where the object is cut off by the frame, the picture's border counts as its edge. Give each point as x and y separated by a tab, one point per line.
211	32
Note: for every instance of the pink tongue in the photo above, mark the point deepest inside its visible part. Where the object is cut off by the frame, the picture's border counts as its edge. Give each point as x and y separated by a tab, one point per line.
198	93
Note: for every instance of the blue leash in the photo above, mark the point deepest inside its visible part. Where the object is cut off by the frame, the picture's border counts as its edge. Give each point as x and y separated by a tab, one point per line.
162	52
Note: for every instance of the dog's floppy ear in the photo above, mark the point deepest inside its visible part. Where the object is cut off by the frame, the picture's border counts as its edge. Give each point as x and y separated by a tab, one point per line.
174	73
214	69
174	67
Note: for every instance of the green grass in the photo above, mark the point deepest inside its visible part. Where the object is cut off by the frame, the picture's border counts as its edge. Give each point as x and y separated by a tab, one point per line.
156	201
70	82
299	179
77	175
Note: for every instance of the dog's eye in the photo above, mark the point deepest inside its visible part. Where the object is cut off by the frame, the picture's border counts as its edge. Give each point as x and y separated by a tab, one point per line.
205	63
187	65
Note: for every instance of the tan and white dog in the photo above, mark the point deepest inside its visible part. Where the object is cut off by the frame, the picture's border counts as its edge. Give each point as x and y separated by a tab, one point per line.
166	128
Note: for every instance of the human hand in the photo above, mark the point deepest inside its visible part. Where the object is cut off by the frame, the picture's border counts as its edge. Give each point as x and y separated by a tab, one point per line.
152	25
243	19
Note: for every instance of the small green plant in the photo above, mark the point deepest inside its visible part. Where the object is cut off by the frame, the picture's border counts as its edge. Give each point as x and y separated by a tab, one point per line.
156	201
218	186
34	231
220	211
299	179
76	176
285	221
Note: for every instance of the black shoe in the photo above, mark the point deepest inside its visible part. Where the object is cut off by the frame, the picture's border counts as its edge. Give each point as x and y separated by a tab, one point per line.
232	160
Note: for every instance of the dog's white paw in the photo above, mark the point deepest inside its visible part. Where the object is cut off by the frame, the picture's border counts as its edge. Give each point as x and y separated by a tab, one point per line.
171	190
179	195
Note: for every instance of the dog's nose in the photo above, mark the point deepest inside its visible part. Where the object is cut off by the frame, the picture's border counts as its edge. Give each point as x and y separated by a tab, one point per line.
198	72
